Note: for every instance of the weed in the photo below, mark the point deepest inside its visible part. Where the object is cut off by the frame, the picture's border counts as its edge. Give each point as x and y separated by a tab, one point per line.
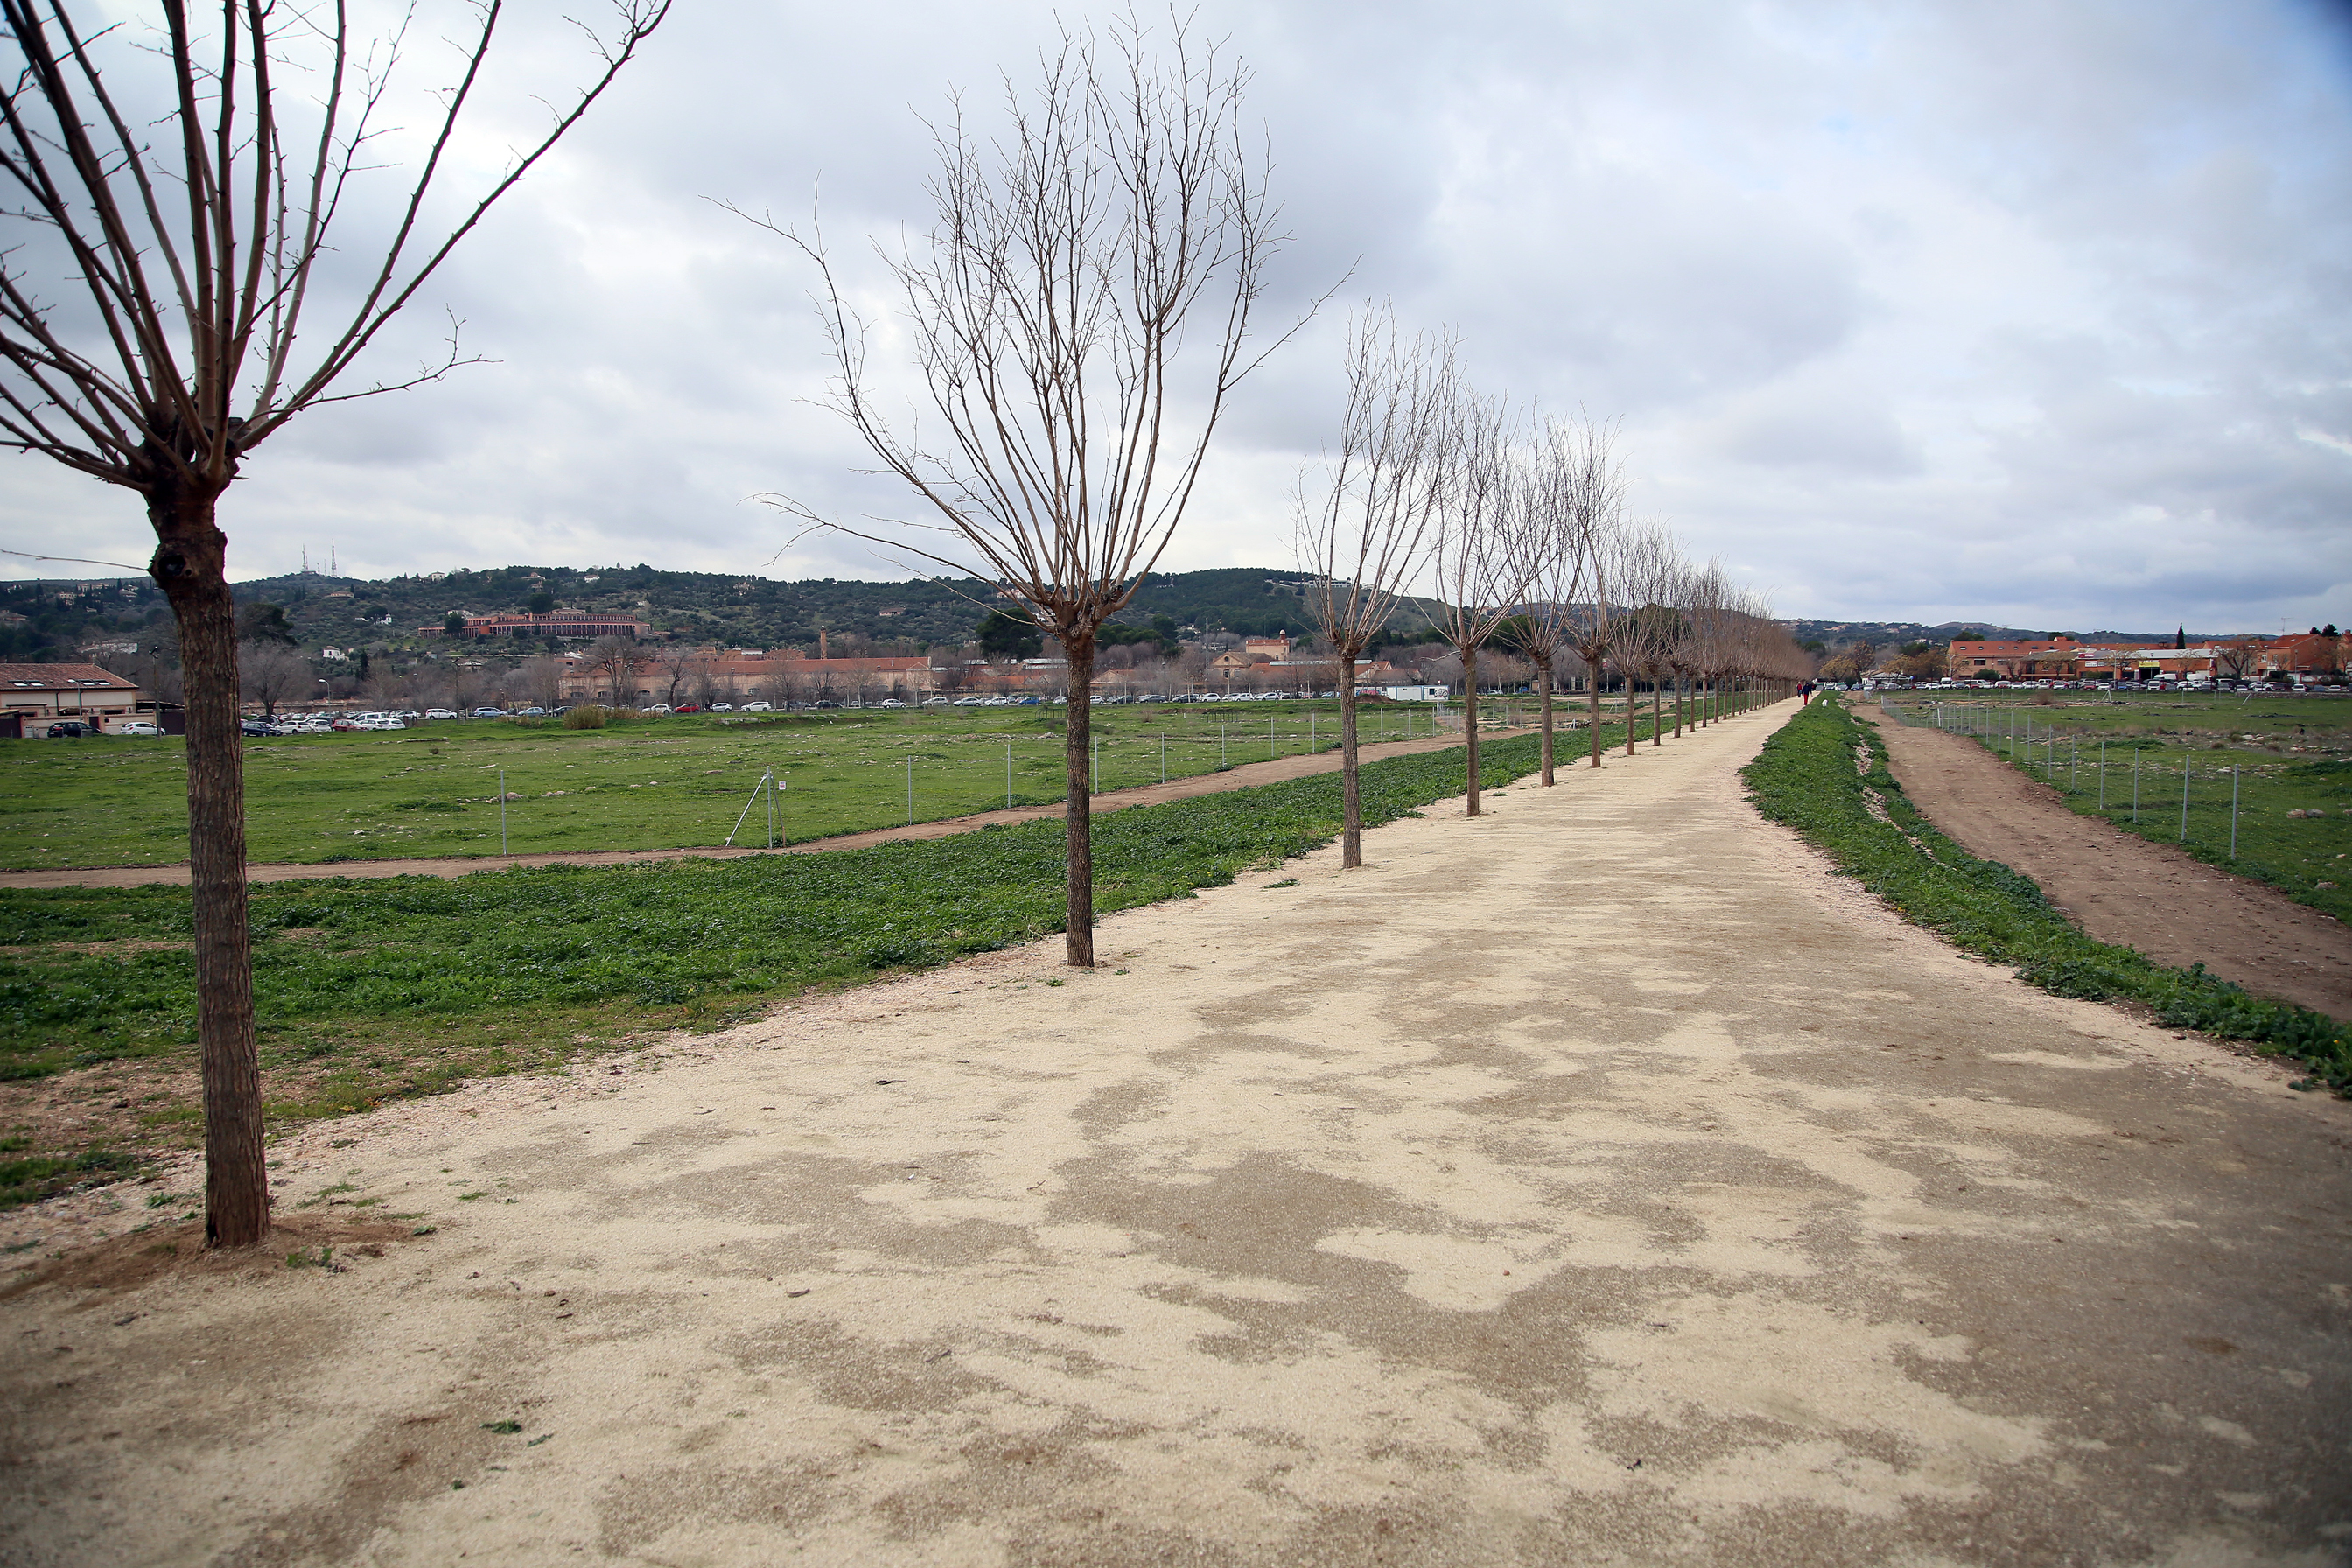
504	1428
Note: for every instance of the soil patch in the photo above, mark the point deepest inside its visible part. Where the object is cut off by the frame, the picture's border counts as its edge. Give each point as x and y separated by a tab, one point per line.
177	1250
2118	887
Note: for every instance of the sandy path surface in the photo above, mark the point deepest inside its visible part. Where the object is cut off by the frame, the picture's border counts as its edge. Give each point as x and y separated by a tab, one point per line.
1598	1181
1241	776
2118	887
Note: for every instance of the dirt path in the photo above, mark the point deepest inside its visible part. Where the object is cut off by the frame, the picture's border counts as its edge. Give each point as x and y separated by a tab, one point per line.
1240	777
1598	1181
2118	887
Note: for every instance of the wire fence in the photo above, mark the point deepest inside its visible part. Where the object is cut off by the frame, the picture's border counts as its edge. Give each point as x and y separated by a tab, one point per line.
2286	821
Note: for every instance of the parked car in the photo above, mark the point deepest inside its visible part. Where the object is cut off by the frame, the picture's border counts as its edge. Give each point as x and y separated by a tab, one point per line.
658	708
689	707
440	713
138	727
70	730
890	702
720	708
759	708
489	713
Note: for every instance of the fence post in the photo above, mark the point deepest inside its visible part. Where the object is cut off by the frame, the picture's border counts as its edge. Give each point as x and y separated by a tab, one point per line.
502	811
2135	786
1271	745
2184	756
2103	774
1163	756
1008	772
910	789
2233	810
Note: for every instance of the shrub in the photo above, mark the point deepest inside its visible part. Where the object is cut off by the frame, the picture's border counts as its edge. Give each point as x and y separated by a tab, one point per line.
588	716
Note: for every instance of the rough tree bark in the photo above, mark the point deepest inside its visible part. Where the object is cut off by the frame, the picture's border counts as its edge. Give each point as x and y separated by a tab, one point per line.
190	565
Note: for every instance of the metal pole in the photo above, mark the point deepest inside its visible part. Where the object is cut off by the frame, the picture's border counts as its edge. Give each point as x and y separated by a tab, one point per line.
2184	796
1221	746
771	777
2135	784
1272	746
1094	764
910	789
2103	774
1008	772
1163	756
2233	814
502	811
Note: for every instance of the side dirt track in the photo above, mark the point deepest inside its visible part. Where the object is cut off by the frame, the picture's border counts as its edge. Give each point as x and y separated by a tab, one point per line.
1599	1179
2118	887
1241	776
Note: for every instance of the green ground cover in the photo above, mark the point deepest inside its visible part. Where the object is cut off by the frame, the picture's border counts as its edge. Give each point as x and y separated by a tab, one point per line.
650	784
1813	775
2291	825
2317	724
367	989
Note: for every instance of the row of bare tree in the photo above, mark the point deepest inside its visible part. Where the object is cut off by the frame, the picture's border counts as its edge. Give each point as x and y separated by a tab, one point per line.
1079	309
1516	521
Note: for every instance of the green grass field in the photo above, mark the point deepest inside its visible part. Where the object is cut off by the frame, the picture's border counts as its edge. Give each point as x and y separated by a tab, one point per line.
651	784
367	989
2293	801
2315	725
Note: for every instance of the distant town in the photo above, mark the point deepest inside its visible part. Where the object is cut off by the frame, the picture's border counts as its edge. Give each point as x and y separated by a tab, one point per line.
103	652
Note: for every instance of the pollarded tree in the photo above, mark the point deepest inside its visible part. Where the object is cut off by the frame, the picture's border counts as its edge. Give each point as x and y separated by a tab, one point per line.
1079	311
1480	562
1648	562
1592	501
196	269
1364	522
1560	566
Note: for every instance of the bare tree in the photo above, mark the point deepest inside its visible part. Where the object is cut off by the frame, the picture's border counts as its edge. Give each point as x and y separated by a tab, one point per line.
1560	565
1479	561
616	659
1591	499
195	263
542	676
1647	634
272	673
1056	309
673	668
1364	523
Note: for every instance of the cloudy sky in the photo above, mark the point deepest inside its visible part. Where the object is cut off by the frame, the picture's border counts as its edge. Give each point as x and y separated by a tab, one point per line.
2036	311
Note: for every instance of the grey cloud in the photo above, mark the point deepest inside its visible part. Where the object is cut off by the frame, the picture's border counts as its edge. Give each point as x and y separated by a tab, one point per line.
2011	310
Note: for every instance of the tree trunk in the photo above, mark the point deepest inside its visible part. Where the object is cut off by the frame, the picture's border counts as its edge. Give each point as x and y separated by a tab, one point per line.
1351	805
1470	724
1678	706
1592	701
1078	813
190	567
1543	688
1657	713
1633	715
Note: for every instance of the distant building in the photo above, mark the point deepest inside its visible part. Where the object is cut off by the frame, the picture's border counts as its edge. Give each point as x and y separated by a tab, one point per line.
33	696
557	624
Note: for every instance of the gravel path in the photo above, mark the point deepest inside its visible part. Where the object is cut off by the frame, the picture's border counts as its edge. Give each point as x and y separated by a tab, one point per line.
1597	1181
2118	887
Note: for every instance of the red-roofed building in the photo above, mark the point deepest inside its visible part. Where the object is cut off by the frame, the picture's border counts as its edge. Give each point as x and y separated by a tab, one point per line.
33	696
